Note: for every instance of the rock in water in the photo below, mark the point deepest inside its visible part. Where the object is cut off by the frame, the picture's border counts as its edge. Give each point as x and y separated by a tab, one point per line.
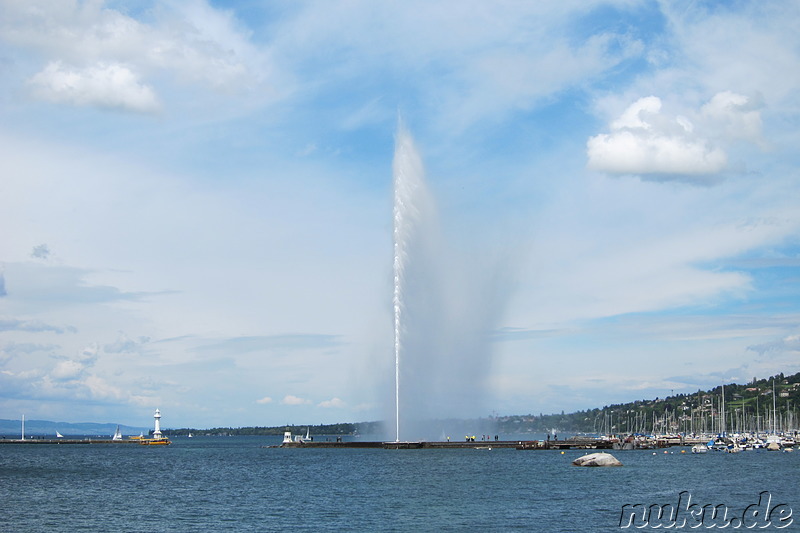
597	459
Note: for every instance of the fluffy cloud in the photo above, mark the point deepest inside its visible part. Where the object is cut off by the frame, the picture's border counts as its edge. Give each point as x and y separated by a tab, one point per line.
333	402
646	141
265	400
643	141
111	86
294	400
98	56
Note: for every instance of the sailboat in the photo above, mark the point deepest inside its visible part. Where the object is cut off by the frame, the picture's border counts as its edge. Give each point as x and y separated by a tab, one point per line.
59	435
117	435
774	441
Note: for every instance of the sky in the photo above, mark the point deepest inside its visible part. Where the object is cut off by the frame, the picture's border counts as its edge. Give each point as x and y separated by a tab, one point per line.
196	201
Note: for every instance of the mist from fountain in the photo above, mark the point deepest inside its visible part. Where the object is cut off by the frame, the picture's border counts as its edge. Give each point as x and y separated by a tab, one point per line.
445	306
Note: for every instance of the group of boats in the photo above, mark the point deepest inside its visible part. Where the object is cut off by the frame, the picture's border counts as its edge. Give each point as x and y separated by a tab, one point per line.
739	443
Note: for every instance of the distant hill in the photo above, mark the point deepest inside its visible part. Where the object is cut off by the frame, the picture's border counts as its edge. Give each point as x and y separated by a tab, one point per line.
13	428
748	407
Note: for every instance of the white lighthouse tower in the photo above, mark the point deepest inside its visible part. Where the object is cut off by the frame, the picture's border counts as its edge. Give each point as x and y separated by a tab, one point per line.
157	432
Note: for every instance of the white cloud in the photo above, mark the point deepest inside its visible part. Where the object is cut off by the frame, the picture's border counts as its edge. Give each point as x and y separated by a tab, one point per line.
734	116
67	370
112	86
644	142
265	400
333	402
294	400
98	56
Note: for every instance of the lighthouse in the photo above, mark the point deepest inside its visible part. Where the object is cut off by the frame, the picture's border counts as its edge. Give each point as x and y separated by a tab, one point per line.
157	432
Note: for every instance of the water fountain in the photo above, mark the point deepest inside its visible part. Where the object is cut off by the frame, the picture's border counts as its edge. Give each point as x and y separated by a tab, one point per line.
412	210
444	303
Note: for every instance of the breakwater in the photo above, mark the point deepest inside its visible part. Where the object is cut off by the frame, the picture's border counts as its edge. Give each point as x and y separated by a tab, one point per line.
568	444
68	441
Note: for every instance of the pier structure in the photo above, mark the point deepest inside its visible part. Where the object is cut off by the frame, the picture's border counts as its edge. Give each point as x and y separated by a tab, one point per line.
584	444
33	440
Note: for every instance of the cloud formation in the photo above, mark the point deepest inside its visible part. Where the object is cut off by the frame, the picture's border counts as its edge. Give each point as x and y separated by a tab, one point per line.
290	399
112	86
102	57
332	403
644	142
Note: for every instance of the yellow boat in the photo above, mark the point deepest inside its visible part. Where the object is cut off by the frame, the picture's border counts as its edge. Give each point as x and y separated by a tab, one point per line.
154	442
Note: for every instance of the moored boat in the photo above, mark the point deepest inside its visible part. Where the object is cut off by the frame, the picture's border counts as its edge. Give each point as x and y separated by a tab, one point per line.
163	441
699	448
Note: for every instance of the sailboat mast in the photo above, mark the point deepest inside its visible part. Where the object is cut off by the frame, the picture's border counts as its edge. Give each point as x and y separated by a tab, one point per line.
774	422
722	418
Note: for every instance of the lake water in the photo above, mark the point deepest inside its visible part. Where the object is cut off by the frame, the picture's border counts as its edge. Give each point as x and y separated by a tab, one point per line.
235	484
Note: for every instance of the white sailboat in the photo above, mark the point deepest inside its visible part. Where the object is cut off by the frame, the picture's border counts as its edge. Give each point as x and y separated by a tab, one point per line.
59	435
117	435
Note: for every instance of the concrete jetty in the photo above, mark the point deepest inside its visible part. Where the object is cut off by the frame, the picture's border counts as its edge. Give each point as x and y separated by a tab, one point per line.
68	441
453	445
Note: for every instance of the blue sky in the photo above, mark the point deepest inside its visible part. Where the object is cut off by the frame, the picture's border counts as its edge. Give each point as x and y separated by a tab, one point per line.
196	202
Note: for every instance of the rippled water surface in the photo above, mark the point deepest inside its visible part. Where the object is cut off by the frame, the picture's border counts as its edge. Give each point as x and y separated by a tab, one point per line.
236	484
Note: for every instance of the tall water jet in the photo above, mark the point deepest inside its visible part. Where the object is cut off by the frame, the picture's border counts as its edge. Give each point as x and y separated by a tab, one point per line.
413	213
409	196
444	306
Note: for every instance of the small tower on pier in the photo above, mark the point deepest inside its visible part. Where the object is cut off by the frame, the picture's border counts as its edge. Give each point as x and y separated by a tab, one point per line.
157	432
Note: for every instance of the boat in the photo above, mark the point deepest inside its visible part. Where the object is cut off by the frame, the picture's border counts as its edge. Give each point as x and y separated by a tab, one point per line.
699	448
59	435
718	445
734	448
162	441
190	435
117	435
